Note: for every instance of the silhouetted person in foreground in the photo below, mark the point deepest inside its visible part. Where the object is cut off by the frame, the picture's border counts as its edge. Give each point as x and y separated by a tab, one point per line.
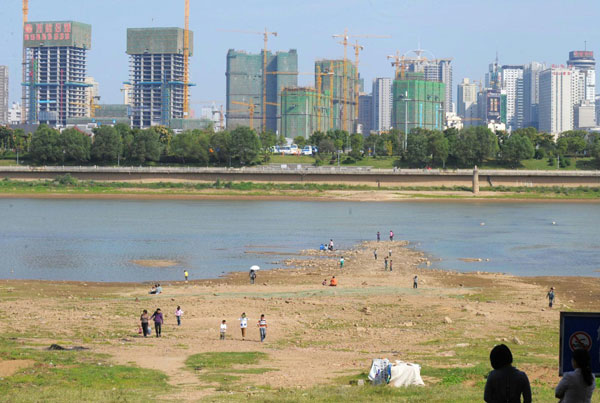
505	384
578	385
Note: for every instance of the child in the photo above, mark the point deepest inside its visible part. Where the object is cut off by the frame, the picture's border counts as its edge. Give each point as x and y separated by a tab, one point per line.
391	235
375	254
385	263
550	296
262	326
178	313
390	264
342	262
223	329
416	282
243	324
324	282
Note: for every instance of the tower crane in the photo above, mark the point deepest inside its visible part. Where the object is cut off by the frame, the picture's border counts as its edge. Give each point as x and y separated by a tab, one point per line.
345	37
265	35
186	64
357	49
250	106
398	63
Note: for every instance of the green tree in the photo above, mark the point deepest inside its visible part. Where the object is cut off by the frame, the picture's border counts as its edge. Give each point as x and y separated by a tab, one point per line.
281	140
245	145
191	146
46	145
220	147
356	143
473	145
438	147
107	145
76	145
300	141
316	138
326	146
165	136
516	148
146	146
572	142
268	139
417	154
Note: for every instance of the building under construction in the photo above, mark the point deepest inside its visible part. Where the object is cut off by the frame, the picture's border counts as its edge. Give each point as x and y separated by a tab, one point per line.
304	110
341	90
156	72
418	103
244	77
55	70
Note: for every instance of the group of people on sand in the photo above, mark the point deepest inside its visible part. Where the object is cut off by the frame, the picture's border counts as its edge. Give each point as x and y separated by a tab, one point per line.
505	383
156	289
327	245
261	325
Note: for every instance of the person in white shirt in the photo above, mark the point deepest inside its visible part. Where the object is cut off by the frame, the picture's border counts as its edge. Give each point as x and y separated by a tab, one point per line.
178	314
577	386
243	324
223	329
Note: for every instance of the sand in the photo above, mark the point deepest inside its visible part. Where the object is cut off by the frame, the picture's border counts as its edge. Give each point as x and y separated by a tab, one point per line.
316	333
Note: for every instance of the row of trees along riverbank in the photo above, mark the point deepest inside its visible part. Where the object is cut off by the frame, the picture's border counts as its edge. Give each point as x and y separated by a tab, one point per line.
243	146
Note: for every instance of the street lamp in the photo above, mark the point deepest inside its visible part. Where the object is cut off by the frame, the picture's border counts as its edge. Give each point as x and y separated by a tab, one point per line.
406	99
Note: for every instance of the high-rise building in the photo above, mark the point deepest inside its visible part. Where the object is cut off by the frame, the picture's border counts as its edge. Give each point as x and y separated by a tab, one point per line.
434	70
531	93
3	95
55	70
343	91
418	103
92	95
14	114
584	82
467	103
584	115
365	113
156	74
244	77
489	105
304	112
127	90
382	104
556	100
512	83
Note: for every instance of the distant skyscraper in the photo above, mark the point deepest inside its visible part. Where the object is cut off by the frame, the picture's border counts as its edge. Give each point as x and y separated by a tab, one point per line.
3	94
531	93
127	90
156	75
584	80
467	103
556	100
512	83
436	70
14	114
365	112
382	104
56	70
92	94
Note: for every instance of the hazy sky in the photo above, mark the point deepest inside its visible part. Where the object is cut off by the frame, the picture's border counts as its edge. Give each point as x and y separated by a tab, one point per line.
470	31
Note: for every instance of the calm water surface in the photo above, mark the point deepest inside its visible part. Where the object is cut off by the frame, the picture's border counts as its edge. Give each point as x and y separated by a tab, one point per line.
94	240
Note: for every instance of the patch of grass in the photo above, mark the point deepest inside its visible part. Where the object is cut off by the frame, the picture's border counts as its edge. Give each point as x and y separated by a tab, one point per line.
212	361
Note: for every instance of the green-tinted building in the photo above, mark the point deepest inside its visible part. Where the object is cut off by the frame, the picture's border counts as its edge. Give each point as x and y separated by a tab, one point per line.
245	86
303	111
418	103
335	84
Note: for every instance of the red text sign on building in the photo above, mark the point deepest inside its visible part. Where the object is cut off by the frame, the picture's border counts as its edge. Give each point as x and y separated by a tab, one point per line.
60	31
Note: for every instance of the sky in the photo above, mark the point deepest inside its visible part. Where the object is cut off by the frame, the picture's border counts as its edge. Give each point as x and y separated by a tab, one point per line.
469	31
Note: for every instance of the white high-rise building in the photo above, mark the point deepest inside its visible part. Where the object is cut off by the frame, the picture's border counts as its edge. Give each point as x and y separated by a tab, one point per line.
3	95
556	100
531	93
512	83
584	82
14	114
127	90
382	104
467	103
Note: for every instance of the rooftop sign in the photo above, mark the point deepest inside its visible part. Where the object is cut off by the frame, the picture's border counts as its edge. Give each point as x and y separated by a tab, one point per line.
57	33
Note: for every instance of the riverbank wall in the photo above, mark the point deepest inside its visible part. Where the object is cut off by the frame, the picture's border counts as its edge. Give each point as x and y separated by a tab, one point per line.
302	174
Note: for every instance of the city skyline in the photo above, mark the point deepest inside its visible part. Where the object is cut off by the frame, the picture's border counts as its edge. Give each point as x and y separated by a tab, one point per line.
308	27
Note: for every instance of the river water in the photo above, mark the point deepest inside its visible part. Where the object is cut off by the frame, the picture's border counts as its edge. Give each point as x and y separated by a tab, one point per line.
97	240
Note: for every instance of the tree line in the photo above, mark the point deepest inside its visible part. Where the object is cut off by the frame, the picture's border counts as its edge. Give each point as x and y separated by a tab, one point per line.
243	146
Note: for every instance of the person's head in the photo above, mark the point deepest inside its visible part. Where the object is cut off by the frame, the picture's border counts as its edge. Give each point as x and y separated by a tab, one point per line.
158	310
145	311
262	315
333	277
243	314
178	307
581	360
552	288
500	356
224	321
158	285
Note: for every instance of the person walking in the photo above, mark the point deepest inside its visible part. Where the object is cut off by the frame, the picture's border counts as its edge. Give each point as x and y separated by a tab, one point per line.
178	314
262	327
243	324
331	244
390	253
391	265
223	330
505	383
391	235
185	274
375	254
577	386
342	262
144	321
415	282
385	263
550	297
378	236
158	321
252	276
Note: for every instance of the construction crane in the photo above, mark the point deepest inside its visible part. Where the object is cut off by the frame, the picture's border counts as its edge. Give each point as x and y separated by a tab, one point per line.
357	49
345	37
399	64
186	55
23	66
265	35
250	106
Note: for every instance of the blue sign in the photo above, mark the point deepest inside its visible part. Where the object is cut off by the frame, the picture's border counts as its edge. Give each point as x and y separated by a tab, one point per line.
579	330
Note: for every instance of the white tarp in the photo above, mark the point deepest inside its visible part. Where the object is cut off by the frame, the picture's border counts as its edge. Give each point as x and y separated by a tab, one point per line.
405	374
